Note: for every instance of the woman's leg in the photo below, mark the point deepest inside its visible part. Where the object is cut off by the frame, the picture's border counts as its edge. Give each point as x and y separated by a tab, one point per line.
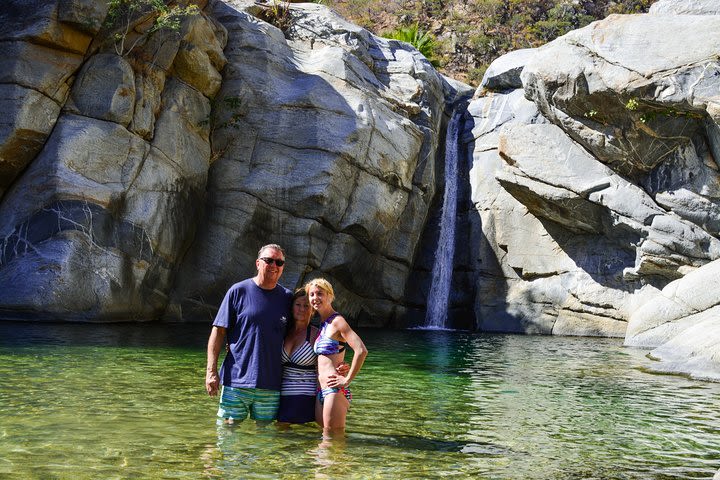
318	410
334	412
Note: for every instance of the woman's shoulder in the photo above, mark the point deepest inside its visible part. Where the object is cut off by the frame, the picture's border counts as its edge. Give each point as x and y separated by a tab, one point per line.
335	316
340	323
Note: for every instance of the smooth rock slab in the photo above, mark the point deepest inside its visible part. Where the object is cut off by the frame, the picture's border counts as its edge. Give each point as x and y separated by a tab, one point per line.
504	72
685	7
104	89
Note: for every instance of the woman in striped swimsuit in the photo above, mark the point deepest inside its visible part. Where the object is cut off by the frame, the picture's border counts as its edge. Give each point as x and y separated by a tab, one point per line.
299	377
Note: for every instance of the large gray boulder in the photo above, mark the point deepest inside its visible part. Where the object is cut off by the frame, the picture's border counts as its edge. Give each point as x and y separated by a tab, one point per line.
681	323
559	181
602	188
98	221
325	138
529	276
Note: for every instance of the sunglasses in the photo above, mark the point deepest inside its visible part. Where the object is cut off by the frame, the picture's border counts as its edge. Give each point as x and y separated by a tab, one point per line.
270	261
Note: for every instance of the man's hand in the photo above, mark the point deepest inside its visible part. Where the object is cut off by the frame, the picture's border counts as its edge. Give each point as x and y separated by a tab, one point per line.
212	383
343	368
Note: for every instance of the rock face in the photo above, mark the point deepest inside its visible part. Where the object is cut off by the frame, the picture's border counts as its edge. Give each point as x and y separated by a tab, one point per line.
42	49
325	141
595	186
322	138
685	7
93	228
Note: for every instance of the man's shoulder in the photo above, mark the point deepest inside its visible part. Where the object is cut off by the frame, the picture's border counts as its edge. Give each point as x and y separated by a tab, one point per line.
248	286
284	290
241	285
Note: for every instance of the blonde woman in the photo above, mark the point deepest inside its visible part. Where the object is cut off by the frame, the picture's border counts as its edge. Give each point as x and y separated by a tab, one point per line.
333	399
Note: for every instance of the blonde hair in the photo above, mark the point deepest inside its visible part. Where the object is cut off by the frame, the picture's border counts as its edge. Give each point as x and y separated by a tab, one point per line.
322	284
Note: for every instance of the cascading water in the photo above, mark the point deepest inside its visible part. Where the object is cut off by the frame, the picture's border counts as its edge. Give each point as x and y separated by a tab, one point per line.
439	297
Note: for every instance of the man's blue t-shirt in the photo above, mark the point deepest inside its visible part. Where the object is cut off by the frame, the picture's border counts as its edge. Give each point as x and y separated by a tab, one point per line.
255	321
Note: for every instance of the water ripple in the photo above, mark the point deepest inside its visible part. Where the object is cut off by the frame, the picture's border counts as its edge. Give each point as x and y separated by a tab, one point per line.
427	404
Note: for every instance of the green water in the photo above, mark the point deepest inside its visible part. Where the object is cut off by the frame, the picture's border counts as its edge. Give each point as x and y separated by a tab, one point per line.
122	401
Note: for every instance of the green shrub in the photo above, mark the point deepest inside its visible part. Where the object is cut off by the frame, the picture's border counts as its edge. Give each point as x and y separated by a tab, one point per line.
123	15
424	42
277	14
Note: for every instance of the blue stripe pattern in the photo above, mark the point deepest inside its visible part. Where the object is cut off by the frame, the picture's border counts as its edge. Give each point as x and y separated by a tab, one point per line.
299	371
258	403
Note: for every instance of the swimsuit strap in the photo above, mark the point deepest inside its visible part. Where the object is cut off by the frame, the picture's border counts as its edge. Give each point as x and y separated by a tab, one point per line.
324	344
331	318
328	321
307	334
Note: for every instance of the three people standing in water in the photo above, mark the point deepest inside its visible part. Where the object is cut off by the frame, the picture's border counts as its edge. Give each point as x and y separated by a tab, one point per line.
250	324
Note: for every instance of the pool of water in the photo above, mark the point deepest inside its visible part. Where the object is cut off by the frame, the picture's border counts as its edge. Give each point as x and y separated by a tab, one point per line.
128	401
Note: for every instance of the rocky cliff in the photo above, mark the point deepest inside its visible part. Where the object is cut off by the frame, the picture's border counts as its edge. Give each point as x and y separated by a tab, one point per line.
141	169
326	144
105	158
138	181
594	179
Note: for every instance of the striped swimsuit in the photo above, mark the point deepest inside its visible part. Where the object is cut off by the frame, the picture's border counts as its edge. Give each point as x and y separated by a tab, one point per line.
299	384
299	370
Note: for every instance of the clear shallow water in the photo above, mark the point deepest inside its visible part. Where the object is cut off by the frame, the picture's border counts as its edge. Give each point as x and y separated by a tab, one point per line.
128	401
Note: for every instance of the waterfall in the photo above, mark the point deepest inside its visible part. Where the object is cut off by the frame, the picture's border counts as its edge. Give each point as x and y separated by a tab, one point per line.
439	297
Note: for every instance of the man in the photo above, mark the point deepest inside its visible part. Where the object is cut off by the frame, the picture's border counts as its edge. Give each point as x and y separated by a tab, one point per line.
252	317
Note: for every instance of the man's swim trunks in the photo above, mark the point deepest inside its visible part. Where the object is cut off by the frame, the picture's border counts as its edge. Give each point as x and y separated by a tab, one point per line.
237	403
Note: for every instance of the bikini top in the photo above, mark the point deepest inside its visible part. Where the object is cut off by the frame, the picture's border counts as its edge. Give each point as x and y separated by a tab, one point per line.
325	345
302	357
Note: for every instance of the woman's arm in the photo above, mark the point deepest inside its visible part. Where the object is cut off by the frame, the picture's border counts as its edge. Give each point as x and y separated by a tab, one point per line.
359	353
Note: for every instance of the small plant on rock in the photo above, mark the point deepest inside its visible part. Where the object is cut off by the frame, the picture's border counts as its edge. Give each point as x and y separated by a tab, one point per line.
424	42
277	14
124	14
651	112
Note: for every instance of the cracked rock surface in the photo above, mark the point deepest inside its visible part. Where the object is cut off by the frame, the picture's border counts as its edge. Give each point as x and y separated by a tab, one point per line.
595	185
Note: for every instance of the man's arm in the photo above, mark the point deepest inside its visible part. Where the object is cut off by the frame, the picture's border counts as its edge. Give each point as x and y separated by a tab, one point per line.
215	345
